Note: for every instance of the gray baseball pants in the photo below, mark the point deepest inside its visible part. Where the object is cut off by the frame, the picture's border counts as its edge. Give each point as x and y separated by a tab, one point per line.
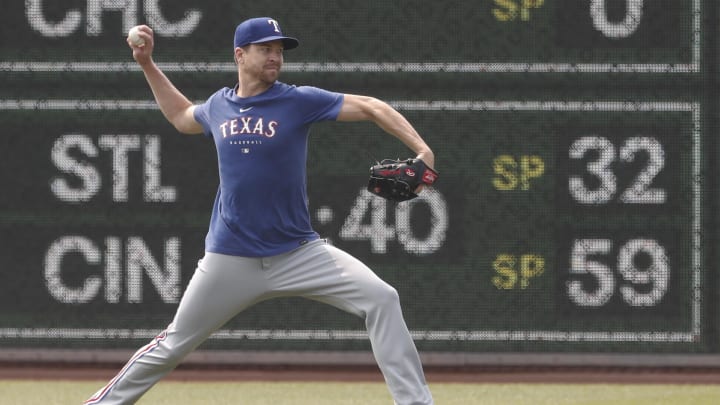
223	286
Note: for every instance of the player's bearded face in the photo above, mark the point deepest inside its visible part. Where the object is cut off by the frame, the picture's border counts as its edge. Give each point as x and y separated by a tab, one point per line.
265	60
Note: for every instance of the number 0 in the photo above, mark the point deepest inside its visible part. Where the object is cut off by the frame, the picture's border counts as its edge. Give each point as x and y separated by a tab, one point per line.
623	29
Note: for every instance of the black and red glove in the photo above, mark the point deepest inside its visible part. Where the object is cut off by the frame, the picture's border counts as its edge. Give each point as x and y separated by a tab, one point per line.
397	180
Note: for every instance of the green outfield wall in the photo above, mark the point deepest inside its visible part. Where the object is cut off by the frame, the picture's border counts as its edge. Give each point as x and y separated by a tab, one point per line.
576	142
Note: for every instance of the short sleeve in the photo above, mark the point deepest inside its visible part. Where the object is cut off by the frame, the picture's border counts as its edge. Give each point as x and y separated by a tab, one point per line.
202	116
319	104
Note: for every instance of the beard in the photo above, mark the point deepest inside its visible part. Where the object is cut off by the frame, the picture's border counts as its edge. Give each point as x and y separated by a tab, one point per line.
270	74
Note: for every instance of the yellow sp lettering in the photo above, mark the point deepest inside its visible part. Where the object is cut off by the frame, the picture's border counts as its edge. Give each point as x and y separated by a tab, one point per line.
513	173
511	10
513	272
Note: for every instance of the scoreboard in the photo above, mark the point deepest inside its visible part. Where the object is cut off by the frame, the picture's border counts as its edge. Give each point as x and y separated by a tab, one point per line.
575	209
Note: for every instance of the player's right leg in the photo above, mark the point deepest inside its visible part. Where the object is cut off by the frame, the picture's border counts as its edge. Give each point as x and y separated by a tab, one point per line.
221	287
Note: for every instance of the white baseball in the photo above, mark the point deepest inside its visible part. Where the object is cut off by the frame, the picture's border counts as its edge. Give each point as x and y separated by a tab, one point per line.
134	37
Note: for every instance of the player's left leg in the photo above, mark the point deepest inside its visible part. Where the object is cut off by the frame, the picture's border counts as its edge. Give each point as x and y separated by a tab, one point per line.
324	273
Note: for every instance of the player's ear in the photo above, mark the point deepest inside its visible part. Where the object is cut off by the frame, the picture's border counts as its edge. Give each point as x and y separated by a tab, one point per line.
238	55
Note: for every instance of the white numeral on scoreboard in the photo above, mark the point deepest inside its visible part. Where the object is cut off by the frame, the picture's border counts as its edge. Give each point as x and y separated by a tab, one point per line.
640	287
616	30
379	233
638	192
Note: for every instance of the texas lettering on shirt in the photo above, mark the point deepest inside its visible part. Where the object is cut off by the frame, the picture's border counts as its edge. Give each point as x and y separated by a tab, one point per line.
248	126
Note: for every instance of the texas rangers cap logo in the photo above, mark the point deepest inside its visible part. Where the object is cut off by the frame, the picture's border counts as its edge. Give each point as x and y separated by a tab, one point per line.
259	30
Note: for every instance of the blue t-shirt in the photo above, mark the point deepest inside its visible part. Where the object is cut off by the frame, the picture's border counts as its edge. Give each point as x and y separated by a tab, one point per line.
261	207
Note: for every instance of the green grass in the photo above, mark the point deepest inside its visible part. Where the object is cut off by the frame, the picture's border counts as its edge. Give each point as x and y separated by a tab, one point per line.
305	393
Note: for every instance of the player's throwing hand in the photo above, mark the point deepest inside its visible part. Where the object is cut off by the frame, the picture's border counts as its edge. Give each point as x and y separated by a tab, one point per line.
140	40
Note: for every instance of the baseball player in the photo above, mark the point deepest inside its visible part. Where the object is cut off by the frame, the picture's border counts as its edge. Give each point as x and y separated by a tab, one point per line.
260	243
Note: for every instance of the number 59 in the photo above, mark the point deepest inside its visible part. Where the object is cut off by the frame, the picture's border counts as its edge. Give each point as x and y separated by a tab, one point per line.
654	278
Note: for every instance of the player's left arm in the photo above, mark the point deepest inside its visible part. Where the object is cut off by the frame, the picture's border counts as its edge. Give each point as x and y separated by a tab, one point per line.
364	108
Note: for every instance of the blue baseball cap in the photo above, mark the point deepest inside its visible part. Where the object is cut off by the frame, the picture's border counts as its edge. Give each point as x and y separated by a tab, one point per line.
261	29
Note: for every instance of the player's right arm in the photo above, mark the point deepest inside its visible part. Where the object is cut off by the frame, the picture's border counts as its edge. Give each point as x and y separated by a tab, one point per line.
173	104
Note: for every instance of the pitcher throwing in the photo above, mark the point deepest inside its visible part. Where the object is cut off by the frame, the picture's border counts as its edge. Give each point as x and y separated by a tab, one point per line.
260	242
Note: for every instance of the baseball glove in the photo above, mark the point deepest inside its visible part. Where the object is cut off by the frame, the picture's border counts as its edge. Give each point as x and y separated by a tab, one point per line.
397	180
